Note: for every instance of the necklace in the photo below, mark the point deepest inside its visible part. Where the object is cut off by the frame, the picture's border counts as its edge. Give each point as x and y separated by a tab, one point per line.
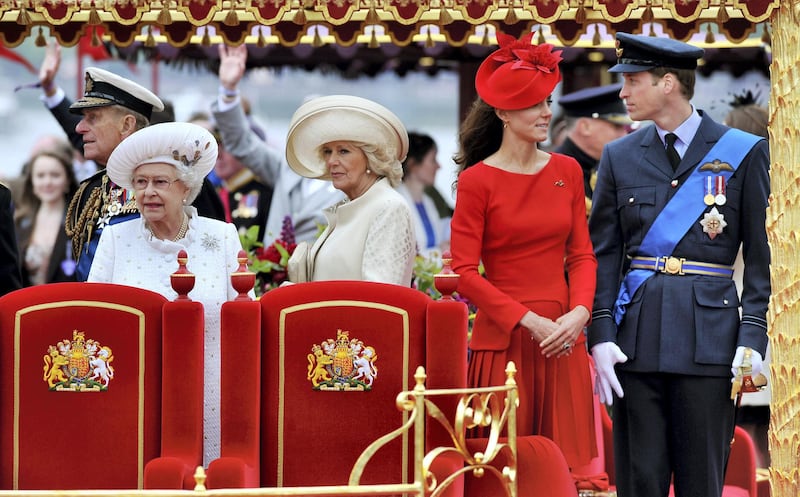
181	232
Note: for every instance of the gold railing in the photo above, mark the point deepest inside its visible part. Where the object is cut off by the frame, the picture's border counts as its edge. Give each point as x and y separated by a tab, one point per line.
492	409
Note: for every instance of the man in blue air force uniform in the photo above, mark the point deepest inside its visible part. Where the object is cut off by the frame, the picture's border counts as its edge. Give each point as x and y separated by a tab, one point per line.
672	204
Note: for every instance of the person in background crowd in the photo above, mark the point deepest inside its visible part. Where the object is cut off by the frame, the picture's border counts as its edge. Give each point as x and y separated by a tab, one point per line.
165	165
83	167
49	183
245	198
521	212
558	133
111	109
754	412
45	143
594	117
357	145
302	199
674	201
10	278
419	173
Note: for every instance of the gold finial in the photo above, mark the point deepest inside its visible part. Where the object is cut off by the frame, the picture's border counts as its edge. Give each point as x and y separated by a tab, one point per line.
164	17
419	376
199	479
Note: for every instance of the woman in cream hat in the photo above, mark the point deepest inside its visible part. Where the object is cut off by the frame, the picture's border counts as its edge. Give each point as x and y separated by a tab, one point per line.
164	164
358	145
521	212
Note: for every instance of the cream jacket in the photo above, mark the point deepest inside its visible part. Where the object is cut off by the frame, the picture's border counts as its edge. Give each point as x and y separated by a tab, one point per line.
370	238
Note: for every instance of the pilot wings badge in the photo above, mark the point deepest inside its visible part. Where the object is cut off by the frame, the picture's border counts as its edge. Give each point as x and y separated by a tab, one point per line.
78	365
344	364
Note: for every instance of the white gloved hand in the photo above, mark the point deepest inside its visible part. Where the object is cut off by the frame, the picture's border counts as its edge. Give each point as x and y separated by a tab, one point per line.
606	355
756	361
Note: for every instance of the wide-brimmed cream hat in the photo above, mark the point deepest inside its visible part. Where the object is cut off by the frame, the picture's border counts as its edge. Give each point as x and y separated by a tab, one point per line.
340	118
188	147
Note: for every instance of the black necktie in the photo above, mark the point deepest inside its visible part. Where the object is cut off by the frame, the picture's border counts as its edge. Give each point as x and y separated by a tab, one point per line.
672	154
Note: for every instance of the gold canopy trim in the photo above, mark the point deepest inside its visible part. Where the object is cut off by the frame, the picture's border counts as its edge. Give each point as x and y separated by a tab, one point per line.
288	21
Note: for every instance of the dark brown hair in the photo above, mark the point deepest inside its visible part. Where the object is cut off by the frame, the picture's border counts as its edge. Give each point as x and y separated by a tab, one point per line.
29	202
686	77
479	137
419	145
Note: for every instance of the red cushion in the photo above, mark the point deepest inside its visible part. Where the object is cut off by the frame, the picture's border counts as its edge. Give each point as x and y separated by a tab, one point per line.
541	469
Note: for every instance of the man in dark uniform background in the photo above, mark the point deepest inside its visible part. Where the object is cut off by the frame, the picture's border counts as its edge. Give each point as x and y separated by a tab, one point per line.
594	116
111	109
10	278
245	197
674	201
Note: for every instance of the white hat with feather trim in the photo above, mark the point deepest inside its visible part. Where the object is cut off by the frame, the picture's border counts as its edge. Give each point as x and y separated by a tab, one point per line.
190	148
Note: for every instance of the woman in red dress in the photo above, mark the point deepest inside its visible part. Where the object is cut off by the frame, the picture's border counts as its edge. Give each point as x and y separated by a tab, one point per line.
521	211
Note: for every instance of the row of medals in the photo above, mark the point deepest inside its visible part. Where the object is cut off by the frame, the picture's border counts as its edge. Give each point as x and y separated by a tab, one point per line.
713	221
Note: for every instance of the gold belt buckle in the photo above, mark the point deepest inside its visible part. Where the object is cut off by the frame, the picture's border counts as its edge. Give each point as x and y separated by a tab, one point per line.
673	265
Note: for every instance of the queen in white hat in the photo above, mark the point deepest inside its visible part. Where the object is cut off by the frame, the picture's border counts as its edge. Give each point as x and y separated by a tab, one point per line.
358	145
164	165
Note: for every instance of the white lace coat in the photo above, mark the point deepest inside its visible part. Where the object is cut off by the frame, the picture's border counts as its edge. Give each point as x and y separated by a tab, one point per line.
128	254
370	238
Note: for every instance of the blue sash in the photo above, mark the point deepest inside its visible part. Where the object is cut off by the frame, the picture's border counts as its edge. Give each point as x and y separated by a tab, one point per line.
681	212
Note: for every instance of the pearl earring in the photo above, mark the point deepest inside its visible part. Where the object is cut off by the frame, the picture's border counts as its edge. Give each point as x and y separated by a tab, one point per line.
369	172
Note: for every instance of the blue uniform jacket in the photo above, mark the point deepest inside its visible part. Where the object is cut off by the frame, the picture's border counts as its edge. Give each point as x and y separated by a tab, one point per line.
686	324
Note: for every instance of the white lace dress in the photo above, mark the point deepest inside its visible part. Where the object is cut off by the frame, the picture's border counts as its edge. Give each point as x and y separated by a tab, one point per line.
128	254
370	238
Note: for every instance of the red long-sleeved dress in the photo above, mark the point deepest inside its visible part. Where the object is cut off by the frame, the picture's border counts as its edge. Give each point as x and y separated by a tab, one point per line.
530	232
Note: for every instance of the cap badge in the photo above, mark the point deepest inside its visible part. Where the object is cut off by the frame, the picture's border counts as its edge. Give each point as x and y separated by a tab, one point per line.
88	83
618	50
344	364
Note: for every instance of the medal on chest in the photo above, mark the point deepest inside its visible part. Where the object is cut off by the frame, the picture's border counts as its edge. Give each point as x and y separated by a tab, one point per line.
112	206
715	190
713	223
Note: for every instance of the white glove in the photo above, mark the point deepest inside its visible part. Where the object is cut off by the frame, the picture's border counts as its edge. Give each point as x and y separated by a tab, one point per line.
755	360
606	355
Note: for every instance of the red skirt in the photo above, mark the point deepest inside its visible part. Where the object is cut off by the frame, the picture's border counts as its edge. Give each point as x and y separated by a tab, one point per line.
555	394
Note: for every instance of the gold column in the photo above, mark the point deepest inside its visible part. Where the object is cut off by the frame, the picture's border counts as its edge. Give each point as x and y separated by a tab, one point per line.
783	225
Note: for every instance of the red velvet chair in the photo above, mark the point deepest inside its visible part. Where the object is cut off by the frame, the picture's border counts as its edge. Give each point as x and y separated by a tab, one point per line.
284	423
740	477
240	398
181	398
81	404
334	355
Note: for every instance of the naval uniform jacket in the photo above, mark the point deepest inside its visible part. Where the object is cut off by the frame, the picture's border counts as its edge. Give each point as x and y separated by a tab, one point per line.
685	324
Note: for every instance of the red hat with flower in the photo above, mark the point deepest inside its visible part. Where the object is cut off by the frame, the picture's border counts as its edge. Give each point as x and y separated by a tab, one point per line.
518	75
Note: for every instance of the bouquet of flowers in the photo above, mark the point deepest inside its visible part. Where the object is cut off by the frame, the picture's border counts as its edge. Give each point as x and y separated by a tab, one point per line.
269	262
